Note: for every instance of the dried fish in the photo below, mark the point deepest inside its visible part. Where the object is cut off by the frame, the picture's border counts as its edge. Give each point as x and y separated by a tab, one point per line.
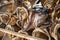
30	19
37	32
18	38
7	36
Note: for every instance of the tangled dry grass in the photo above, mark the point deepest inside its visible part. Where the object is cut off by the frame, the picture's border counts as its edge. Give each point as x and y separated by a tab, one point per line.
29	20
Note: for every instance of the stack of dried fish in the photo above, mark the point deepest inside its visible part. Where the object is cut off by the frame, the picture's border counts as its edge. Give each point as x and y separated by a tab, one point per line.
29	19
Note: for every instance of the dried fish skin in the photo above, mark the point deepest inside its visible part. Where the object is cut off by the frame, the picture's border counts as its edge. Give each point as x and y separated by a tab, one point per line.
50	3
27	5
55	14
4	18
8	36
18	38
39	19
22	12
38	32
12	21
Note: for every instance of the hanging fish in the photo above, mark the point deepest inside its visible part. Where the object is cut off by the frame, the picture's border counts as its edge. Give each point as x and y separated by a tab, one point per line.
41	13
